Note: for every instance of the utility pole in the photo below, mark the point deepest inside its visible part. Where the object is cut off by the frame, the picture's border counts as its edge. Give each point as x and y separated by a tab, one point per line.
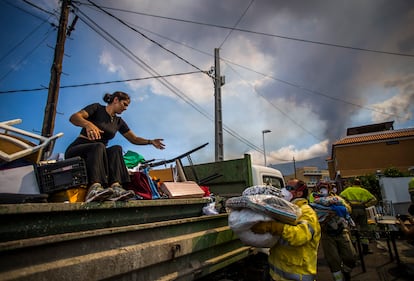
294	166
56	71
218	82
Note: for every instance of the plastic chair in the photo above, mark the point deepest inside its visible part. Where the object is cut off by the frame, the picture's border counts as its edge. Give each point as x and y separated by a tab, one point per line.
372	215
14	145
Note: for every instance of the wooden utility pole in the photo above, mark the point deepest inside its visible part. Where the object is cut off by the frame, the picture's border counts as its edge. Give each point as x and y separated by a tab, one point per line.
218	82
56	70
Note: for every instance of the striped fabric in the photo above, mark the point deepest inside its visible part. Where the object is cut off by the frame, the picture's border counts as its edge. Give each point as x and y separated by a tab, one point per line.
271	205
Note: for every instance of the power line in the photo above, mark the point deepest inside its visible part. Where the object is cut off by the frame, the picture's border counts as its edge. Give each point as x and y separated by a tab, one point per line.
146	37
237	23
14	47
291	84
267	34
295	85
97	28
99	83
188	100
234	134
39	8
28	54
27	12
277	108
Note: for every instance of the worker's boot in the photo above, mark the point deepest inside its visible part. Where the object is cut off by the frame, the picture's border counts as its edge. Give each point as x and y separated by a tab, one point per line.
347	276
338	276
366	250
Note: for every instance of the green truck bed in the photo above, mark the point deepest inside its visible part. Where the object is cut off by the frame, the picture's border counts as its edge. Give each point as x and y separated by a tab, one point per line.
230	177
165	239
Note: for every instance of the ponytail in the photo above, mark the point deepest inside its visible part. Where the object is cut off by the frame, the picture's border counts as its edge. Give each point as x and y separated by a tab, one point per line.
109	98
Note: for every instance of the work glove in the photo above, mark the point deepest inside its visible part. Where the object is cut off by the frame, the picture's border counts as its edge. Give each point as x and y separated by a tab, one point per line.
273	227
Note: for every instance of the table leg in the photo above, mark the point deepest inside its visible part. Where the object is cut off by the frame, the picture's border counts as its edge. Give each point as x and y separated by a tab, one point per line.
361	255
388	236
394	245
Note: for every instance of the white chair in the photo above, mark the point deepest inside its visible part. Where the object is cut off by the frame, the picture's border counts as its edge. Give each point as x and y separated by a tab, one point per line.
372	214
15	145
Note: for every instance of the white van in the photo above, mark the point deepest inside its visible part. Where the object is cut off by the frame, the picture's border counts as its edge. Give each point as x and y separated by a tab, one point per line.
267	176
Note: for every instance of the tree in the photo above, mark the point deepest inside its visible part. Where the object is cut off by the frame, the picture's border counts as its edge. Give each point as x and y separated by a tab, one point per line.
371	183
393	173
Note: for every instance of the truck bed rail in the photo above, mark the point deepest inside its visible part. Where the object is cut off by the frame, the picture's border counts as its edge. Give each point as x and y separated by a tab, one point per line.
147	241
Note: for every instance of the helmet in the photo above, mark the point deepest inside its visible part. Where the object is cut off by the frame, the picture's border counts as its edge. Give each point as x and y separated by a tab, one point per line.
322	184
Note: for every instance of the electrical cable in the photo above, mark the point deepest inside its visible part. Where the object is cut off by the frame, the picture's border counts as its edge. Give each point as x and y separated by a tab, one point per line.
268	34
274	106
99	83
181	95
149	69
146	37
27	55
24	10
295	85
237	23
39	8
16	46
291	84
195	106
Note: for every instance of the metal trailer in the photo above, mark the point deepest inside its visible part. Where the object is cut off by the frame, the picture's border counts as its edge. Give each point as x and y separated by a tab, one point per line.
166	239
162	239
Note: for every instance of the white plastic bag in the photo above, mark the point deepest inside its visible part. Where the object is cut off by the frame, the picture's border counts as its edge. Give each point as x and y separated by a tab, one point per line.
210	209
241	221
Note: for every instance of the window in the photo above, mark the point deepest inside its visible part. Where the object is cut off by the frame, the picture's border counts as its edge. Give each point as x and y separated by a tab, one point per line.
273	181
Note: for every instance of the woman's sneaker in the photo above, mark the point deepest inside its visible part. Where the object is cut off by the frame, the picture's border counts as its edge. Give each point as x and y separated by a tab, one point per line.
97	193
120	194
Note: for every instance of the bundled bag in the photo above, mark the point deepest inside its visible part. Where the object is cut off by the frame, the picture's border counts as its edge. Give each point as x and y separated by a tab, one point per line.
259	204
270	205
240	221
262	189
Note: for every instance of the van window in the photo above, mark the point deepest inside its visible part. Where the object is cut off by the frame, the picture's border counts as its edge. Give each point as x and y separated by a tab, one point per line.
273	181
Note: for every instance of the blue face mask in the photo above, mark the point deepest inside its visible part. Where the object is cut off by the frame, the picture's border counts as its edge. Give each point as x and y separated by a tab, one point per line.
287	195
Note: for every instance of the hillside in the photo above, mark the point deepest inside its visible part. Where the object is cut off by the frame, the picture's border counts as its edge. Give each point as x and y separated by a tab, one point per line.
288	168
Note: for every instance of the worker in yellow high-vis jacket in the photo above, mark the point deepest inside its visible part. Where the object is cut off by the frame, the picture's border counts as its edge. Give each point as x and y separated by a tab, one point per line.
360	199
294	256
411	189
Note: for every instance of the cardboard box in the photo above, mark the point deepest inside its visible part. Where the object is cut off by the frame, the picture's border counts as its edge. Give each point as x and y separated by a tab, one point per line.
20	180
187	189
162	174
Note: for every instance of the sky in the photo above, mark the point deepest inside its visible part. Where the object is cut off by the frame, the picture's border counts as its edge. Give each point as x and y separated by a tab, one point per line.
305	70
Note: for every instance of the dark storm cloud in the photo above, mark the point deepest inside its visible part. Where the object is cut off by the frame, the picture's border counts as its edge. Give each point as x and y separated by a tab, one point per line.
332	75
332	81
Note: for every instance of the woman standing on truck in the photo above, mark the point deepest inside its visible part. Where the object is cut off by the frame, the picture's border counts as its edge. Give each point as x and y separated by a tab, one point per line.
105	165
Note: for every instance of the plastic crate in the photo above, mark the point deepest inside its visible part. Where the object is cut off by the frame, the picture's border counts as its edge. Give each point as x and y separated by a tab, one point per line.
62	175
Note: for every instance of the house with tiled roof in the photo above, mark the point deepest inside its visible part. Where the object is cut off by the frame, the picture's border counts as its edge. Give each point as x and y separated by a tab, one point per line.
371	149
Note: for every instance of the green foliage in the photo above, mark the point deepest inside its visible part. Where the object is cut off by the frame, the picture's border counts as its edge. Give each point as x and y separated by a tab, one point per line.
371	183
393	173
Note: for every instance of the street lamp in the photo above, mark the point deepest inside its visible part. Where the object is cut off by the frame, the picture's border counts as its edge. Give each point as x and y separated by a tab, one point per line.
264	148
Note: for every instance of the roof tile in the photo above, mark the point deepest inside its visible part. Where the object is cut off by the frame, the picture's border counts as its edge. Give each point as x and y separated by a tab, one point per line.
376	136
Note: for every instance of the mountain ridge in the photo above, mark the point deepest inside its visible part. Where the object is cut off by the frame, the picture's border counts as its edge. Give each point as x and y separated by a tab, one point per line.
288	168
